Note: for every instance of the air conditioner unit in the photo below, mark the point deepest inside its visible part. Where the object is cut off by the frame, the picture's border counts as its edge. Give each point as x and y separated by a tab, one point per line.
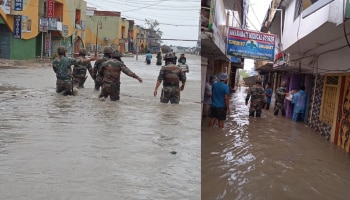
106	39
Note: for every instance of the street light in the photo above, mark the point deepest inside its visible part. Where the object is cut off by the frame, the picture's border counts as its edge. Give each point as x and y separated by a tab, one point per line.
99	26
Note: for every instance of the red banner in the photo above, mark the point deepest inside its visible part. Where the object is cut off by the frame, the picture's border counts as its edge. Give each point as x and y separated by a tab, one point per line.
50	7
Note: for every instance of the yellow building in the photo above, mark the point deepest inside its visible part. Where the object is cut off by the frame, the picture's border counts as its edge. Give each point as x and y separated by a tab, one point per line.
63	24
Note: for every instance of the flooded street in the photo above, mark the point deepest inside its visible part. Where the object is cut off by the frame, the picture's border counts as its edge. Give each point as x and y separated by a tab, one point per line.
78	147
270	158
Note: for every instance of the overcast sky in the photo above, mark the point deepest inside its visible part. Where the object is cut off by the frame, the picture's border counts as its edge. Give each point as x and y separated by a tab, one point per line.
256	15
179	19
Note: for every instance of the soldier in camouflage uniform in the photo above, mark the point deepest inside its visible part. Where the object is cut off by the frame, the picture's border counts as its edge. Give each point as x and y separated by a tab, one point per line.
79	71
170	74
107	52
256	94
62	67
110	72
281	93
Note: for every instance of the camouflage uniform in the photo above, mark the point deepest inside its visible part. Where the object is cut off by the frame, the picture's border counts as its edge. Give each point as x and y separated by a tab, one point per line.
171	75
256	94
79	70
279	100
110	71
62	67
95	72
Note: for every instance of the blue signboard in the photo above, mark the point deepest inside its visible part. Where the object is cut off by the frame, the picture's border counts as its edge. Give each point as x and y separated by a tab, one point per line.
17	27
250	44
18	5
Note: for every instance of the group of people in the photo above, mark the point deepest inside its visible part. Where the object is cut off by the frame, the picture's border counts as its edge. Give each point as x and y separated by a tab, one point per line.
261	98
216	100
106	74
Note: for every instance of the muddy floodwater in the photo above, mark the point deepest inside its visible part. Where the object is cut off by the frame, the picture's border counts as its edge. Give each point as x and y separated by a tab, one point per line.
270	158
78	147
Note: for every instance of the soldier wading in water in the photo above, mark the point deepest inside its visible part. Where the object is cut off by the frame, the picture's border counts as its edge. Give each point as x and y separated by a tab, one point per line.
110	74
62	67
107	52
256	94
80	68
170	74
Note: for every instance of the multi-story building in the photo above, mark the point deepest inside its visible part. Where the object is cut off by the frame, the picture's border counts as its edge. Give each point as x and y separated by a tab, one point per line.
216	17
68	23
313	52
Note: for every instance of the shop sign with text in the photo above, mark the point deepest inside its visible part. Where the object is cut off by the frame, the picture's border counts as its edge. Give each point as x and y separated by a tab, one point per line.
250	44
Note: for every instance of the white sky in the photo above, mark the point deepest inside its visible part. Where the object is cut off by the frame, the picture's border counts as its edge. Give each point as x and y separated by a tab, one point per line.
179	19
256	15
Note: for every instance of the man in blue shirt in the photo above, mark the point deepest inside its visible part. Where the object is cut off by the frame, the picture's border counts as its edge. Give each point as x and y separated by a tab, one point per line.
298	100
148	58
220	101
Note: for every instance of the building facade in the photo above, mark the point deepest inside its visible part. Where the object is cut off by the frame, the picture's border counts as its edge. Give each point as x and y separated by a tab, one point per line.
313	52
38	27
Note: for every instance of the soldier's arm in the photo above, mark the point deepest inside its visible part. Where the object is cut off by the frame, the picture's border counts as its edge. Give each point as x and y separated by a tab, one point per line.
89	68
159	80
182	78
128	72
94	70
54	66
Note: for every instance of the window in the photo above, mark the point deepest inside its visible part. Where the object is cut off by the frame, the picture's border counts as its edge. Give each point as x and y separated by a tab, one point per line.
298	8
328	105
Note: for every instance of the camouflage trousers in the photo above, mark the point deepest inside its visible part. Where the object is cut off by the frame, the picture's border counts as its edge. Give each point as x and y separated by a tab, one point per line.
64	86
78	82
98	82
112	90
255	107
171	94
279	106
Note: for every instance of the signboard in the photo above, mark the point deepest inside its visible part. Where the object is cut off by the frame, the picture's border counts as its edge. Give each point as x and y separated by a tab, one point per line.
17	27
47	43
50	7
65	31
18	5
26	24
280	60
43	24
52	24
5	5
251	44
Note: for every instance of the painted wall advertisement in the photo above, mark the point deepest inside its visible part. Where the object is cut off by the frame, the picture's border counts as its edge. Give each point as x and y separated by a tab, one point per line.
5	5
17	27
251	44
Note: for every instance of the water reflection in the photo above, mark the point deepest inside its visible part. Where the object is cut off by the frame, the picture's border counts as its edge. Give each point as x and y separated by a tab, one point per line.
269	158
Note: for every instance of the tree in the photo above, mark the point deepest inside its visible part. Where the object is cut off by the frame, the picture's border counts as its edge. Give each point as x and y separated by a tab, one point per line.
154	26
154	35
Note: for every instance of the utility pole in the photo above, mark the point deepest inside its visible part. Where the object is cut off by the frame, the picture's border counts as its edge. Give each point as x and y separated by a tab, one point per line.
137	48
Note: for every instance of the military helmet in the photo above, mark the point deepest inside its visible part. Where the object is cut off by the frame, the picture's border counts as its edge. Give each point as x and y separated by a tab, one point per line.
108	50
82	51
116	54
61	50
169	56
